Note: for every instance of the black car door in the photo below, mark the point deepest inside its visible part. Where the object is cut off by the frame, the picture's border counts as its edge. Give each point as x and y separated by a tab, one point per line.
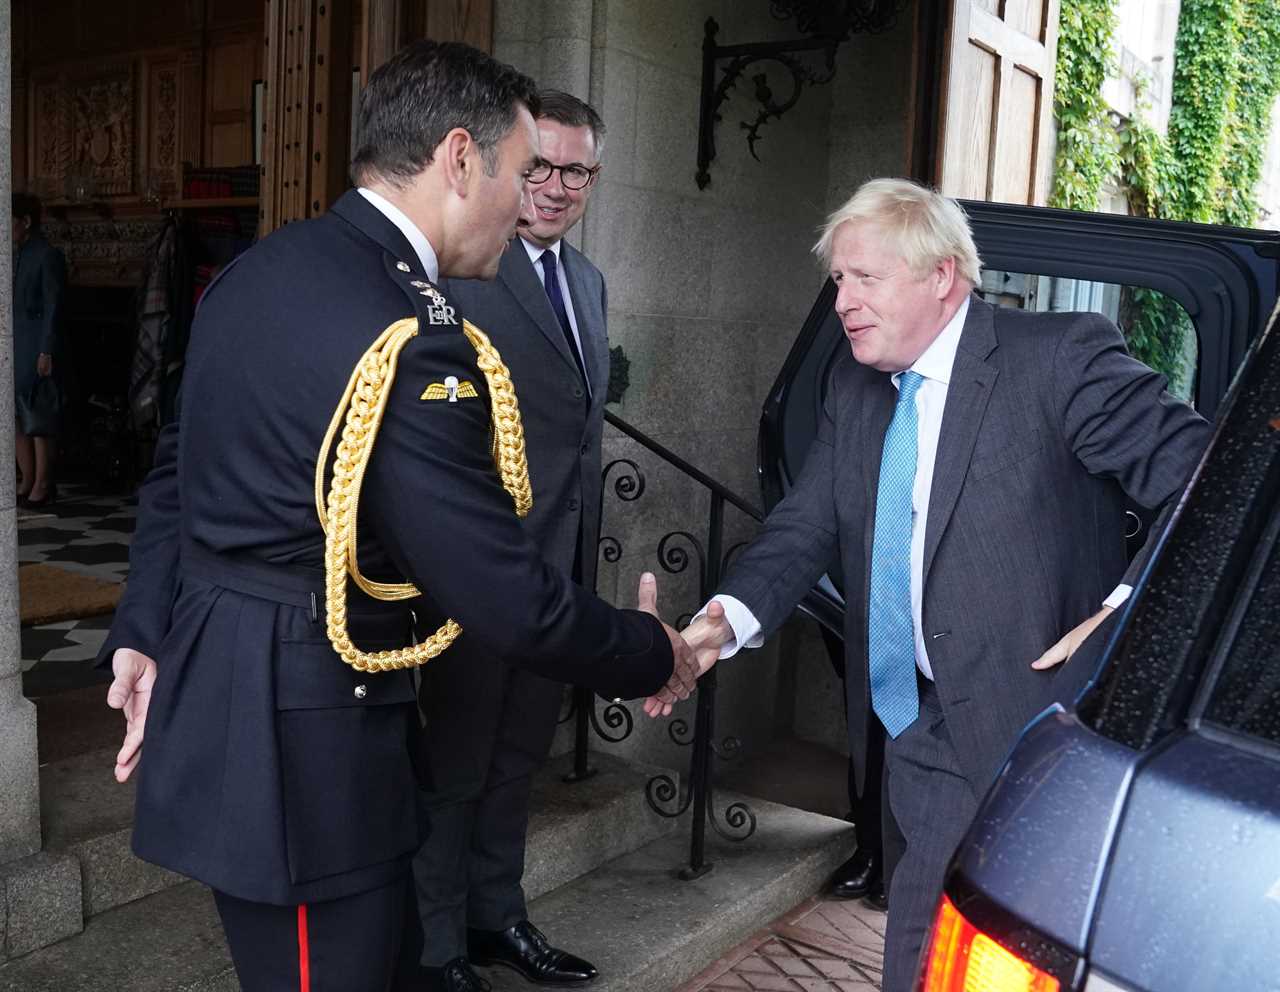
1217	284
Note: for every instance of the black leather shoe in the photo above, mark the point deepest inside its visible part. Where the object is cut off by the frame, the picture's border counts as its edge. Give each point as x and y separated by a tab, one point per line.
456	976
523	948
878	897
856	877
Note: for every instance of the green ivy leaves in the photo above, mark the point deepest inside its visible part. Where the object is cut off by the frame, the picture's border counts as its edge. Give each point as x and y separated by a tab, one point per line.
1258	84
1205	79
1087	147
1225	82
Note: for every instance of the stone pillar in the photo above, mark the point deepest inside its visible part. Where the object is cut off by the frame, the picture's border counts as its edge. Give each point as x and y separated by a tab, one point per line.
19	778
548	39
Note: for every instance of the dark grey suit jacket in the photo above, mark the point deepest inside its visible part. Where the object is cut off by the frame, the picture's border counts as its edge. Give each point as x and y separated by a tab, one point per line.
562	425
1048	423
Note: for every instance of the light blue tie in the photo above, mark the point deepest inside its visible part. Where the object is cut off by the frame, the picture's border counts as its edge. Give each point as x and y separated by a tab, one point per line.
891	636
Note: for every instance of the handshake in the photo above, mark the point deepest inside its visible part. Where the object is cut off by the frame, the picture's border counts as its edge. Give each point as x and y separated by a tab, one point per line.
696	648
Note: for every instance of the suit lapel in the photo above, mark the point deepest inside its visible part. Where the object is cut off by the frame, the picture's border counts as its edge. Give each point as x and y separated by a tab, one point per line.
878	400
972	379
586	310
525	283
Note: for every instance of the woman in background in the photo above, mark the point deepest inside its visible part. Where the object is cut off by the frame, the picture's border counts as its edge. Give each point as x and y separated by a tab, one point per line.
39	276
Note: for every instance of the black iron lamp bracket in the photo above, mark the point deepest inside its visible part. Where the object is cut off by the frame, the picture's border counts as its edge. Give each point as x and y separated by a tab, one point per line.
828	26
738	59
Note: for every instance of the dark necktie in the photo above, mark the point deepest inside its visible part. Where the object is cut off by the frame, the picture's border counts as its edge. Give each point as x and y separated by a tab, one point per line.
552	284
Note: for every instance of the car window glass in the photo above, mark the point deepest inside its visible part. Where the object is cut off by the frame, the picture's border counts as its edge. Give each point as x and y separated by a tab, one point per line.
1156	328
1246	696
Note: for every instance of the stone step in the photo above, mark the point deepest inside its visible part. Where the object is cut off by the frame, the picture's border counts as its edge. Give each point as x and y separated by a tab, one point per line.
643	927
648	931
574	828
167	942
86	814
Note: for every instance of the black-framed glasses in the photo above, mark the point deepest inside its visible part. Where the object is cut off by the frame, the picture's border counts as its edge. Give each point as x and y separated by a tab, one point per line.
573	176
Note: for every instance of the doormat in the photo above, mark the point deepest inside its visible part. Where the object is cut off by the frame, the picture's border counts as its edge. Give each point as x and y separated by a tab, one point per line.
48	594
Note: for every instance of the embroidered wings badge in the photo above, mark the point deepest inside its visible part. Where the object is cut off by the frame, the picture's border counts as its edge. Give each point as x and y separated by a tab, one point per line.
451	389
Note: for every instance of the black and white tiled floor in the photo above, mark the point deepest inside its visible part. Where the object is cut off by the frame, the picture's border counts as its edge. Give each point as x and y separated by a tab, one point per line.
86	533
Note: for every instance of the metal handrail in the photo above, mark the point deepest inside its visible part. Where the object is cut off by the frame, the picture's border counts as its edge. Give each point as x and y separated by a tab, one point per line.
662	792
669	456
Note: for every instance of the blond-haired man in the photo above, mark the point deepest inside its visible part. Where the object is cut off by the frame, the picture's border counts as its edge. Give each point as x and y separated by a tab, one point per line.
969	475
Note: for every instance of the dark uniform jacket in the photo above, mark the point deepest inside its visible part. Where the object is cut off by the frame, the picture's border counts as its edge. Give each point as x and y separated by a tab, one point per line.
271	770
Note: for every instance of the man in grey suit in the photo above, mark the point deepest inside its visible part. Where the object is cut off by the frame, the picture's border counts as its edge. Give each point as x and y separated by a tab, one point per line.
969	474
488	726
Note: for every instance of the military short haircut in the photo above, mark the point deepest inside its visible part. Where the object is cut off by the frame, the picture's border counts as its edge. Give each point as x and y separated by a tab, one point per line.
567	109
422	93
27	205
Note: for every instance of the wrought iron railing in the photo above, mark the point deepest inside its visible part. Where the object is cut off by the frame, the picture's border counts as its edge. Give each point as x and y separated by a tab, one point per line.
677	550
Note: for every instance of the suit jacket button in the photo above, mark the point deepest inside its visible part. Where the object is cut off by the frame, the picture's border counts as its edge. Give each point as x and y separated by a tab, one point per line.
577	392
573	504
586	448
361	692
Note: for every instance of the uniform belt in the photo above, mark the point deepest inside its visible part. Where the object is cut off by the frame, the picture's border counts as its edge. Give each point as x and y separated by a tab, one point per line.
296	585
289	585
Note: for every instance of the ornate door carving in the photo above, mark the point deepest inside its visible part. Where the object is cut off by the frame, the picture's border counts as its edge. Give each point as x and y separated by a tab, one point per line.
84	133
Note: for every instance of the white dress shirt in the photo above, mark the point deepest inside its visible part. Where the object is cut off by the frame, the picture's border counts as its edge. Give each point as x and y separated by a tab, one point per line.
535	256
931	399
426	254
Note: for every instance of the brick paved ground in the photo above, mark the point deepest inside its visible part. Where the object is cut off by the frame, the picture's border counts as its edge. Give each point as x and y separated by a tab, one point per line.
823	945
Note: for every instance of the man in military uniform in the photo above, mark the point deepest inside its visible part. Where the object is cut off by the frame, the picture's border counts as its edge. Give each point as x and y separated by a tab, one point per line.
279	572
546	313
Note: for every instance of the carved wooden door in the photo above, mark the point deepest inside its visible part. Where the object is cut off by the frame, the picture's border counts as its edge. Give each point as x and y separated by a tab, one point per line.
389	24
307	134
997	106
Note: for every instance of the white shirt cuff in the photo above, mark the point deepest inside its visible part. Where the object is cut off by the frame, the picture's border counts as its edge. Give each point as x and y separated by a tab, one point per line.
1119	596
745	626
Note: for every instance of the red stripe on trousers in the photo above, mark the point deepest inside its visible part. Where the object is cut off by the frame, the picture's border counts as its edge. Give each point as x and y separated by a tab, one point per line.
304	952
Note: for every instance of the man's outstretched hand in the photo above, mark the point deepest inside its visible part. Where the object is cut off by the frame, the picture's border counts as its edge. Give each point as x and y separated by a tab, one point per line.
701	641
684	677
705	636
130	691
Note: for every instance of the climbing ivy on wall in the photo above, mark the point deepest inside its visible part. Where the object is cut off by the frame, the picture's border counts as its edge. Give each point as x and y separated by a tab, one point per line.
1206	64
1256	91
1087	145
1225	81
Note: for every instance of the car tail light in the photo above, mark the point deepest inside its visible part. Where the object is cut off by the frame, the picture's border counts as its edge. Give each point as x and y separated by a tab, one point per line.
962	958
